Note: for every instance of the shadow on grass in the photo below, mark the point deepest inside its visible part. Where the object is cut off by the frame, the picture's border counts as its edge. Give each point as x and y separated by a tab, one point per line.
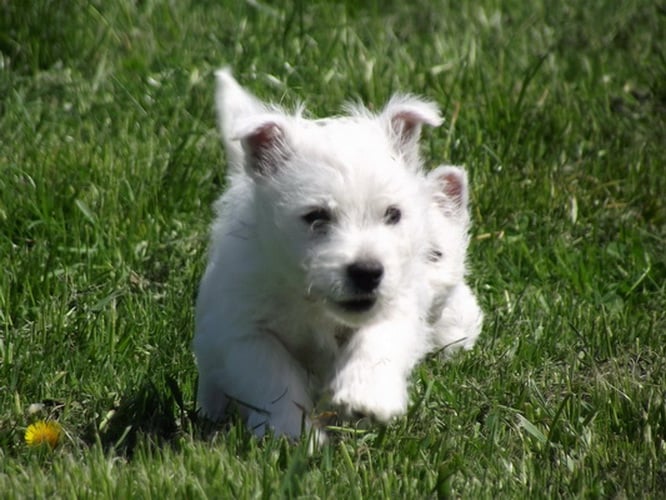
153	417
157	416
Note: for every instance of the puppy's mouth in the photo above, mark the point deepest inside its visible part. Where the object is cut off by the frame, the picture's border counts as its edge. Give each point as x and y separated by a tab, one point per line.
357	304
355	310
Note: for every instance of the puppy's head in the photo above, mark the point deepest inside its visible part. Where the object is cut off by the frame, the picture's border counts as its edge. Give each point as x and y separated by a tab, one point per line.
341	211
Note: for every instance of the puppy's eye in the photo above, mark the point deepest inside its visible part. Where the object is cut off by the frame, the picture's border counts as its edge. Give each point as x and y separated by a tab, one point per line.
435	255
392	215
317	218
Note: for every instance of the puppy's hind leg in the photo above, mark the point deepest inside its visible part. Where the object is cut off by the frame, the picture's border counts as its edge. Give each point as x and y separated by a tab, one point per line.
459	323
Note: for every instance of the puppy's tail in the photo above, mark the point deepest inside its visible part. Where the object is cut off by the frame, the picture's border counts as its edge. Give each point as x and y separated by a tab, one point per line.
233	104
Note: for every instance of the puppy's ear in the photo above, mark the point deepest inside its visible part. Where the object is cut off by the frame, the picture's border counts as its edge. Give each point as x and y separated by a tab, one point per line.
264	144
234	105
450	189
405	115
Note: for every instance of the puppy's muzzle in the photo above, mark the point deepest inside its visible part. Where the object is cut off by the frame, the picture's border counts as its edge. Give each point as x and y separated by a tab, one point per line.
364	278
365	275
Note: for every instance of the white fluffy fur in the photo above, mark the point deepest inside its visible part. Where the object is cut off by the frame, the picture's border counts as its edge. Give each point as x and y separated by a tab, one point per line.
280	317
454	313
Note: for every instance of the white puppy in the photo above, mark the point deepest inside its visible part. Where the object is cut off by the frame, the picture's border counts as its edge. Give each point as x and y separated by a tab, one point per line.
454	313
316	273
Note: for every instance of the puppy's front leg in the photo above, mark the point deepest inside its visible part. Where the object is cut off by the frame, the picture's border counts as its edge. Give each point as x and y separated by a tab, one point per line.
261	377
372	373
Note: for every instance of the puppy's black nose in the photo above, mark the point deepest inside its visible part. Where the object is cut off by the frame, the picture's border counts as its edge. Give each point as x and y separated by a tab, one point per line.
365	275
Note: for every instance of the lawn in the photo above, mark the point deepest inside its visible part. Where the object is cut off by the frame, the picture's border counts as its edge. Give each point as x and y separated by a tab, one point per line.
110	162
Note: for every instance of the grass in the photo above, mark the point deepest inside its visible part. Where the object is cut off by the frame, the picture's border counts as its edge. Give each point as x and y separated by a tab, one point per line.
109	163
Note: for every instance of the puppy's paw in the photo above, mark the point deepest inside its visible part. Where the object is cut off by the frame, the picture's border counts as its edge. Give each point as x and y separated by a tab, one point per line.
376	392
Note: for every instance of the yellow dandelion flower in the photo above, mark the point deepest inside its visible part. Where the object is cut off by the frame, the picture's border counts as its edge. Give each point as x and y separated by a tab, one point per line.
43	432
